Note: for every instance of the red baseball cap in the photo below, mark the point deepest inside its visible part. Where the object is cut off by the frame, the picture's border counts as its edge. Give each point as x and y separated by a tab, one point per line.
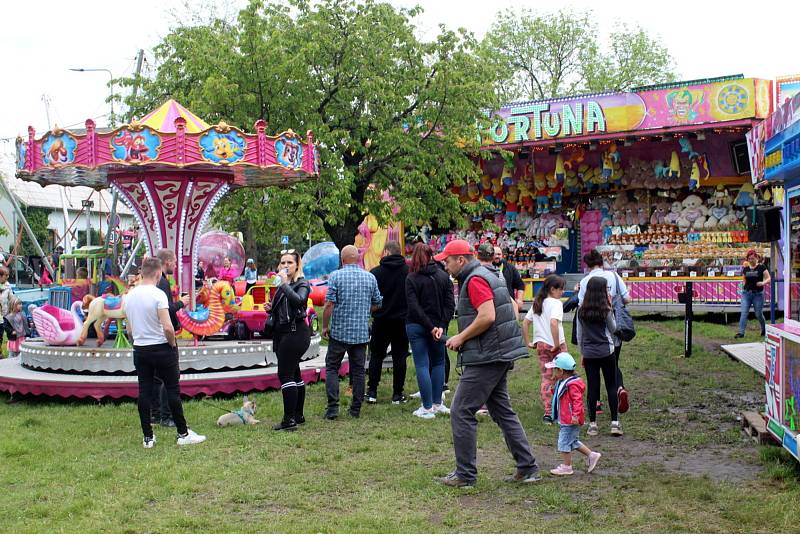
457	247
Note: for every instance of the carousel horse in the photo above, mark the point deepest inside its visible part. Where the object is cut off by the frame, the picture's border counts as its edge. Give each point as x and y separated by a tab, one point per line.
209	317
58	326
102	309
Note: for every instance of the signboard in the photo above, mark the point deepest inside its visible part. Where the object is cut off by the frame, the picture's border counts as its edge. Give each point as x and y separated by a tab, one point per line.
786	115
675	105
284	240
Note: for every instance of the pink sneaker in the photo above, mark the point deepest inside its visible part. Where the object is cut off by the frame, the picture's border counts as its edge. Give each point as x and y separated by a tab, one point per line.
562	470
594	457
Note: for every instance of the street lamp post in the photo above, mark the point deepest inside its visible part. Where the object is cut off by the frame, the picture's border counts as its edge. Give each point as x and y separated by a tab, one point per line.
110	85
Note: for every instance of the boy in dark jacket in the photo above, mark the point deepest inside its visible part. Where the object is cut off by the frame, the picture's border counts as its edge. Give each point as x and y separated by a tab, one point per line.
389	324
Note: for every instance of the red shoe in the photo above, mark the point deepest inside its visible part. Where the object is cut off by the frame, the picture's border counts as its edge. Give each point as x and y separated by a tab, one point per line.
622	398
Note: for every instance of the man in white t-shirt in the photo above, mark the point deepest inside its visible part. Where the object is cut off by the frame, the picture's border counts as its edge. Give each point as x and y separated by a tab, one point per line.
594	261
155	351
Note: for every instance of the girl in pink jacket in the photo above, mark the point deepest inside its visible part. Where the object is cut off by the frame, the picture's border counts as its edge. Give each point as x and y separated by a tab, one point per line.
568	411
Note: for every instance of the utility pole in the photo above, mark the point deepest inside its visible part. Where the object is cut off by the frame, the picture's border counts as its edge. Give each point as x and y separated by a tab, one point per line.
61	194
115	197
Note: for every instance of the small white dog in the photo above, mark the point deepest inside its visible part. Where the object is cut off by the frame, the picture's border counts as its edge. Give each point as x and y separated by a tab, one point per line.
244	416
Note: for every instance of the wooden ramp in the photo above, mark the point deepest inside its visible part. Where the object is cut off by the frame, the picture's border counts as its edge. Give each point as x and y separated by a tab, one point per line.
751	354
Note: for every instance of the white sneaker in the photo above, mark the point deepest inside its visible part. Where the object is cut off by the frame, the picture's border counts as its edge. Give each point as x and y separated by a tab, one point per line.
441	408
191	438
148	443
415	395
422	413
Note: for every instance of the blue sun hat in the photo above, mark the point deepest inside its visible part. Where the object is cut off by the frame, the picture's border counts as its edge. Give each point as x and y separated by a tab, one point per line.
563	361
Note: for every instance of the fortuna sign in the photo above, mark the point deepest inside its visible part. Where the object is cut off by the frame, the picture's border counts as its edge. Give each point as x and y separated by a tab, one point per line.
535	121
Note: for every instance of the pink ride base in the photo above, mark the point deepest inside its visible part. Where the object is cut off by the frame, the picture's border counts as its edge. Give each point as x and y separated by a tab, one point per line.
15	379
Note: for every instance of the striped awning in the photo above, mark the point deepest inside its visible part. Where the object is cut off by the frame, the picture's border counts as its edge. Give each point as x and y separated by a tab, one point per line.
163	118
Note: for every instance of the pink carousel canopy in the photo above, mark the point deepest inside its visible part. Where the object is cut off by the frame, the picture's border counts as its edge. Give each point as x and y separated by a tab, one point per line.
171	168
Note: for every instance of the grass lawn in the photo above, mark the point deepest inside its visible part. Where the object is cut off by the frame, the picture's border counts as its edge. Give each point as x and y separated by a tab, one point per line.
683	464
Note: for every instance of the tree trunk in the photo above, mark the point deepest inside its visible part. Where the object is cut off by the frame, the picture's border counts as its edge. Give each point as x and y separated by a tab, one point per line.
342	234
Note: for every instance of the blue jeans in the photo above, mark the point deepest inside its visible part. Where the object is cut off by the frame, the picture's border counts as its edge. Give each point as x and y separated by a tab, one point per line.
756	298
428	356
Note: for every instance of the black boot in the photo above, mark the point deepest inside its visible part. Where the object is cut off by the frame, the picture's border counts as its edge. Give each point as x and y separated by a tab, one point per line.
299	418
288	426
289	404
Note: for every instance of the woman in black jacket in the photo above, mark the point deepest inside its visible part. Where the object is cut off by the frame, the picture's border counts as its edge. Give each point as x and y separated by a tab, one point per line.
291	336
429	295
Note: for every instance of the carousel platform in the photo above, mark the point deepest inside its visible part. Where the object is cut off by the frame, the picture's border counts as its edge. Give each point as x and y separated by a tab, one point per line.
207	356
212	368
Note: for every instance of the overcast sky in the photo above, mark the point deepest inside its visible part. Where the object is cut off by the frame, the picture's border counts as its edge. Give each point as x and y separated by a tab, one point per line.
42	40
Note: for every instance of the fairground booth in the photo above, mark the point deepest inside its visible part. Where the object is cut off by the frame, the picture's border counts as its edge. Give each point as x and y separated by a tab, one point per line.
776	152
657	179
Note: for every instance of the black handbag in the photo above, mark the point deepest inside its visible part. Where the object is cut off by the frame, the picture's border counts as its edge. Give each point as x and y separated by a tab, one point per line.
625	329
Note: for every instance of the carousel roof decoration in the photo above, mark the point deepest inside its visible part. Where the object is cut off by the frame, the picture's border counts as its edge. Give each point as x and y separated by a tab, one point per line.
170	168
168	138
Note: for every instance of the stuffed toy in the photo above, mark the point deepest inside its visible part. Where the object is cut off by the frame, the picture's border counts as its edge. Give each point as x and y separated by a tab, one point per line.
542	196
555	190
746	196
572	183
512	208
694	213
674	213
674	166
525	198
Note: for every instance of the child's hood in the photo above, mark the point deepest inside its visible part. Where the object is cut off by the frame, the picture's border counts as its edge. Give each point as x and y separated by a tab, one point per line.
577	384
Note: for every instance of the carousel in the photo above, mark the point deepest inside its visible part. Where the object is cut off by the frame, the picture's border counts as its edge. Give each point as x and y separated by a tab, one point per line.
171	169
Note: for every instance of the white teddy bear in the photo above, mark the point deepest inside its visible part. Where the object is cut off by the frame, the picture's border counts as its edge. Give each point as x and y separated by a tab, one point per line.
694	213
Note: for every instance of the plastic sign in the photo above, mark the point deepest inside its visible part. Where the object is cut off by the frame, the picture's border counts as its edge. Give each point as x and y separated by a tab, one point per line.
284	240
536	120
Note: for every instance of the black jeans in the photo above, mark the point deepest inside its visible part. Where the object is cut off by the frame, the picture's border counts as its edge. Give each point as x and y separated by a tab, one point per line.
357	353
385	332
161	361
617	350
159	403
290	345
479	385
608	366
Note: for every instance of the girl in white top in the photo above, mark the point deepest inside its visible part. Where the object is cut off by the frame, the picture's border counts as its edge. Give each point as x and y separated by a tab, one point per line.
547	316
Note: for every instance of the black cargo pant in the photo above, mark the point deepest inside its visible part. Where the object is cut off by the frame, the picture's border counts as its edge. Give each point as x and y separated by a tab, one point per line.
384	333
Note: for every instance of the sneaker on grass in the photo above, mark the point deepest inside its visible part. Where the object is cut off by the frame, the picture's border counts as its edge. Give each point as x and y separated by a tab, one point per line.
616	428
399	399
591	462
548	420
562	470
371	398
422	413
622	396
592	431
525	477
415	395
484	411
454	481
148	443
441	409
191	438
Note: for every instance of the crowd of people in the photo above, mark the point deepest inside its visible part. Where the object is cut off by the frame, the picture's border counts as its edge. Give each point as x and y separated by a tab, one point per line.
410	303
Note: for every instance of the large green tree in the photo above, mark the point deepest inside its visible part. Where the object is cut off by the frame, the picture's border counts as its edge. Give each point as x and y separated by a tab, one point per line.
392	113
546	55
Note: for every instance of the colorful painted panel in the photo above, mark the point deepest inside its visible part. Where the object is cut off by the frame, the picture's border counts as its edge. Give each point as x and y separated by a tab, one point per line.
135	147
791	396
289	152
772	381
721	101
22	151
222	147
59	149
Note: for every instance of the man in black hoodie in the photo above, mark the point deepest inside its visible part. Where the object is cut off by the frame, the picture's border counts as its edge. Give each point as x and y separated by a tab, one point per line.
160	407
389	324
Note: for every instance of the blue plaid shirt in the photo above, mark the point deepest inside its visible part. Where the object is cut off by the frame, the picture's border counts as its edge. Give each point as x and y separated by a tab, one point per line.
353	291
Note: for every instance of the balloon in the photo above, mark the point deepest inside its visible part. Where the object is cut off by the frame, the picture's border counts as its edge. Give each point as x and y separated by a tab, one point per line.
215	246
320	260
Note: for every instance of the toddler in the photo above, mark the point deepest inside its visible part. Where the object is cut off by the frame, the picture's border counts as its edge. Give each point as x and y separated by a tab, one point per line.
16	326
568	411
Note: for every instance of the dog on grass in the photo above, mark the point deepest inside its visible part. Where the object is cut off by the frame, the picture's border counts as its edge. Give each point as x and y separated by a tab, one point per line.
243	416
